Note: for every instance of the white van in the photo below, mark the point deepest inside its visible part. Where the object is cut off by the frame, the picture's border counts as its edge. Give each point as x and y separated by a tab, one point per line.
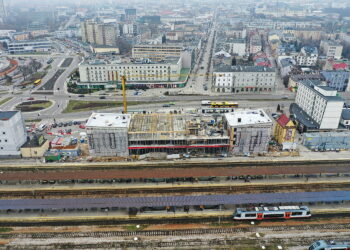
42	127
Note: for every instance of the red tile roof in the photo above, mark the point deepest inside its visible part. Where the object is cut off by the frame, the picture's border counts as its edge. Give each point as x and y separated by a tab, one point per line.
340	66
283	120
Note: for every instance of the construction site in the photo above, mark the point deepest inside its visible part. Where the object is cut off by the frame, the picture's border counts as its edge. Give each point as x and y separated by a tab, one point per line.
176	133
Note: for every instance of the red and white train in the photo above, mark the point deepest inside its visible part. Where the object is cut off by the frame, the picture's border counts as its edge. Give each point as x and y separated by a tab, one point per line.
263	213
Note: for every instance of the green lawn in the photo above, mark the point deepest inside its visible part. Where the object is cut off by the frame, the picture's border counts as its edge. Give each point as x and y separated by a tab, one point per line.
5	100
77	106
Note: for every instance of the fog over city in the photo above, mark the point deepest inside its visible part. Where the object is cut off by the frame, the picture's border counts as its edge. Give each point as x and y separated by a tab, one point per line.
144	124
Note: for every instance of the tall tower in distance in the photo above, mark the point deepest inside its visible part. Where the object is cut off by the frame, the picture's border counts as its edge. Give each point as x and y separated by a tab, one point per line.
3	13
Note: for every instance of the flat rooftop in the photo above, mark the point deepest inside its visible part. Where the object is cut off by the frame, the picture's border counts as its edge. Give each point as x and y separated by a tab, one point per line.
247	117
6	115
109	120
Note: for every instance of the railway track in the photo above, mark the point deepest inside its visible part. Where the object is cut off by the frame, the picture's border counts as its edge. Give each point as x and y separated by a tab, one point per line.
182	232
58	192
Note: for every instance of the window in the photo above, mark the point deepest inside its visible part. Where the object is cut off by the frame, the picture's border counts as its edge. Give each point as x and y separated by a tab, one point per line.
250	215
3	133
273	215
5	140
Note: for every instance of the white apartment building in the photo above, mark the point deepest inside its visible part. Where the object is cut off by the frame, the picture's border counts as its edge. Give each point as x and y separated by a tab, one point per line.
156	52
321	103
141	71
307	57
244	79
237	47
13	133
130	29
331	49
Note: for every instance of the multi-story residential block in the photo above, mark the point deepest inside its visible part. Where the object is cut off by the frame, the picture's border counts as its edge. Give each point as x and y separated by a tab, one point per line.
307	57
320	103
331	49
130	29
237	47
156	52
244	79
249	131
255	44
101	74
13	133
338	80
130	14
34	46
108	134
236	33
99	33
285	65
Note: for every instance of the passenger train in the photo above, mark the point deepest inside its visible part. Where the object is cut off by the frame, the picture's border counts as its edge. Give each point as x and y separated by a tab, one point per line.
263	213
330	245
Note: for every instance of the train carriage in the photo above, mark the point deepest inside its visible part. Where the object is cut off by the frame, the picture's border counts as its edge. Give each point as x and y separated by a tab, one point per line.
281	212
330	245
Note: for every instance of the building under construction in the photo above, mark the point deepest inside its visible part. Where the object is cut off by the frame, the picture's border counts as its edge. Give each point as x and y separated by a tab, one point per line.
249	131
176	133
108	134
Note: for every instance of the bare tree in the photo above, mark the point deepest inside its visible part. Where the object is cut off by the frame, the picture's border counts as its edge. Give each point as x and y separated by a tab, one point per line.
25	70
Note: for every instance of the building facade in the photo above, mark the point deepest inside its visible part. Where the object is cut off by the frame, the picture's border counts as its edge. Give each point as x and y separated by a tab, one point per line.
307	57
327	141
331	49
156	52
321	103
237	47
35	46
99	33
244	79
285	130
143	72
337	79
108	134
13	133
249	131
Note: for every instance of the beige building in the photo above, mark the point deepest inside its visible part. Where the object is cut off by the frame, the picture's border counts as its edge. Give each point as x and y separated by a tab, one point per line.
156	52
100	34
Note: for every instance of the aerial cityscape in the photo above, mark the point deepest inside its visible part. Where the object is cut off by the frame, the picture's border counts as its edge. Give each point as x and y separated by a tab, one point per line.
149	124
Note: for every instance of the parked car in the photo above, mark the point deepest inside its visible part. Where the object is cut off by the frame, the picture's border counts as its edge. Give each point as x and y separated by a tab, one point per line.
60	124
70	123
30	99
81	95
166	105
82	126
102	97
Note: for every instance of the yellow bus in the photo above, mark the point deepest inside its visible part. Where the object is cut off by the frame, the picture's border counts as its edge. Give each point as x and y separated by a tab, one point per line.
37	82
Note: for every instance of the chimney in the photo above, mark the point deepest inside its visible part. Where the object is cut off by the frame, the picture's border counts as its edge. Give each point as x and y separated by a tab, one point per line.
239	119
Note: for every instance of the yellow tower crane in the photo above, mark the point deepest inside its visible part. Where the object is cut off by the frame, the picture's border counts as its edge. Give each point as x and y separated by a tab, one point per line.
125	103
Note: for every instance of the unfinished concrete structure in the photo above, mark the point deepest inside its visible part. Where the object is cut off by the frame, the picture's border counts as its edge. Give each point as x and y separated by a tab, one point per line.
108	134
175	134
249	131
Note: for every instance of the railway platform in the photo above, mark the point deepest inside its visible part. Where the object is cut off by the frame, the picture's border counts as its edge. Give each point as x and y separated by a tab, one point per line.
122	216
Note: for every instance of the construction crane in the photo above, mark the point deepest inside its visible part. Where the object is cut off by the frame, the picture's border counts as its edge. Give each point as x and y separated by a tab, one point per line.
125	104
